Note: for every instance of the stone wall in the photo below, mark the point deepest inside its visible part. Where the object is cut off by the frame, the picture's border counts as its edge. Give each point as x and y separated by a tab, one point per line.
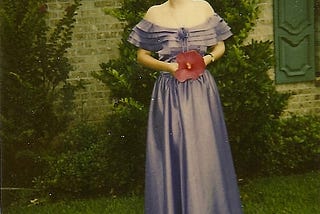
96	37
95	40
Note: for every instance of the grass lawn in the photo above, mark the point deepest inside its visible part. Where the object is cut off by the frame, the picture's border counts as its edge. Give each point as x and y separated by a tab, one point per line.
299	194
130	205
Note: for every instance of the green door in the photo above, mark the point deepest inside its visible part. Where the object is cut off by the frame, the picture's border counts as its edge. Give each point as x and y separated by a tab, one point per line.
294	40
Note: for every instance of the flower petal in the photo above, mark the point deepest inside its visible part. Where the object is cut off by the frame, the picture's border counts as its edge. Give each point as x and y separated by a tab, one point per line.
191	65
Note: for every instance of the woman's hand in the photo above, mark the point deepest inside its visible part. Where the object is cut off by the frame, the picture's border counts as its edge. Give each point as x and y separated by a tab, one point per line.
145	58
173	67
207	59
217	51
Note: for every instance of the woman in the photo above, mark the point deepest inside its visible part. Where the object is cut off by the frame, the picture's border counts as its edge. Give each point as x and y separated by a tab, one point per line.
189	166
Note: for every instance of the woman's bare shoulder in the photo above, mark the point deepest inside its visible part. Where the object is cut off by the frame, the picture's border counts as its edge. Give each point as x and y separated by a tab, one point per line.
154	12
204	6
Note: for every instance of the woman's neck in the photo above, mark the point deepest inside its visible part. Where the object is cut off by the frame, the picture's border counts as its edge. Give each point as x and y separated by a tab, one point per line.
178	3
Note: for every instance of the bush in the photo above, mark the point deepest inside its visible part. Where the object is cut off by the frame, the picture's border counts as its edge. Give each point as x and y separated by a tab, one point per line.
93	160
252	105
126	146
295	146
36	99
78	166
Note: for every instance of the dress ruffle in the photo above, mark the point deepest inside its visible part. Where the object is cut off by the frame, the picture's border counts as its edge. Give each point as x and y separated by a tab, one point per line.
153	37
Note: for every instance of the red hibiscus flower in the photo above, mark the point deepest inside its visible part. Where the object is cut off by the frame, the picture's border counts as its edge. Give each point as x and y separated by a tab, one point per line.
191	66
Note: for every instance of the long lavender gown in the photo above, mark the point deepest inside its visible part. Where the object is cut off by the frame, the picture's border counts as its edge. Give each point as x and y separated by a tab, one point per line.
189	167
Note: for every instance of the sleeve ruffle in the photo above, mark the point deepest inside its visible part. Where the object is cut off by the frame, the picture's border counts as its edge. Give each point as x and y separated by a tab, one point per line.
147	36
210	33
222	29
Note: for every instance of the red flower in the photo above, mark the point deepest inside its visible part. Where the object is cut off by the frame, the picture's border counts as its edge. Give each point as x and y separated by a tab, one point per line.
191	66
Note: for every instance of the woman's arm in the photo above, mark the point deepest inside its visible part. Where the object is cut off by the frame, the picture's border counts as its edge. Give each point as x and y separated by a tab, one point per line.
144	58
215	52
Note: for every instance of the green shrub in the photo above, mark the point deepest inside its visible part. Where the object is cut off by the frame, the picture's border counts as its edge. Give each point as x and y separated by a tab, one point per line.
75	164
93	160
295	146
36	99
126	145
252	105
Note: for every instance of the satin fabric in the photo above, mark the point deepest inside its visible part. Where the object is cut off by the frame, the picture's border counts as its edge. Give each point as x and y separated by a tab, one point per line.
189	167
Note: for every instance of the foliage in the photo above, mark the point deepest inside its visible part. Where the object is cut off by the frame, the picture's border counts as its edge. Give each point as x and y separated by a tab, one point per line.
126	146
92	160
79	165
251	103
295	146
36	99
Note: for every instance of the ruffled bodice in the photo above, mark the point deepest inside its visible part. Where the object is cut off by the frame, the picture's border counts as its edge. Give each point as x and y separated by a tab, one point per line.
168	42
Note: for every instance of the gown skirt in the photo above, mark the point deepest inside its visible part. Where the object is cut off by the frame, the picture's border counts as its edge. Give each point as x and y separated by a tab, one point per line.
189	167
